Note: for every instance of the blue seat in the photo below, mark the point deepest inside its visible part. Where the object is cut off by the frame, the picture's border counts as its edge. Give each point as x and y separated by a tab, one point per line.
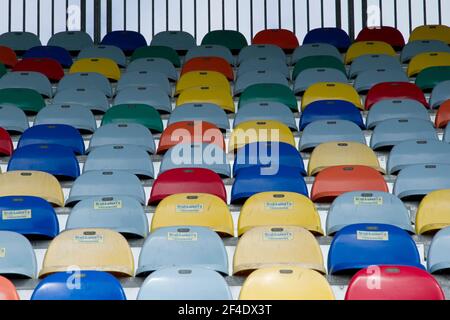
56	53
334	36
128	41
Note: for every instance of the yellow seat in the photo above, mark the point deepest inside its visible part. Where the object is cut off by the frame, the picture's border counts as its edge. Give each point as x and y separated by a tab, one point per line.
89	249
279	208
431	32
428	60
195	79
331	91
32	183
434	212
362	48
196	209
288	283
104	66
260	131
277	246
216	95
332	154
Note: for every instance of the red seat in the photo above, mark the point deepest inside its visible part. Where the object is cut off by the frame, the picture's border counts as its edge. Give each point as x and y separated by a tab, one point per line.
52	69
6	145
387	34
395	90
443	115
7	290
8	57
285	39
209	64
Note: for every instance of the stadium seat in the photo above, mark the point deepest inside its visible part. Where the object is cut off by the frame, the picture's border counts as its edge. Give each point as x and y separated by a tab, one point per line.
266	111
329	110
215	64
389	35
8	291
57	160
134	114
259	77
130	134
103	66
267	64
443	115
72	41
233	40
309	77
314	50
198	79
366	80
106	184
269	93
94	285
431	32
437	258
360	246
286	283
126	40
210	51
199	284
323	131
205	94
27	100
32	183
109	52
187	181
194	209
126	158
332	154
367	207
50	52
8	57
279	208
415	182
6	144
447	134
157	52
19	41
264	247
417	47
122	214
395	90
318	62
261	50
440	94
30	216
180	41
394	283
207	112
143	79
414	152
89	250
433	213
362	48
331	91
13	119
92	99
27	80
428	60
429	78
18	259
337	180
148	95
285	39
86	80
182	247
254	180
374	62
154	65
333	36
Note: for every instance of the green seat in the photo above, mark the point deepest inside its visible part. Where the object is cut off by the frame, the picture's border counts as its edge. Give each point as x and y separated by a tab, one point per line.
157	52
269	93
233	40
3	70
314	62
430	77
135	113
30	101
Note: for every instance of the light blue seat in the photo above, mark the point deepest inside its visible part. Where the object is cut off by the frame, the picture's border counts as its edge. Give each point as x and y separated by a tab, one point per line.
415	48
440	94
93	99
73	41
207	112
366	80
210	51
274	111
102	51
27	80
17	256
438	259
264	63
259	77
316	49
315	75
160	65
132	79
151	96
86	80
73	115
13	119
180	41
19	41
373	62
261	50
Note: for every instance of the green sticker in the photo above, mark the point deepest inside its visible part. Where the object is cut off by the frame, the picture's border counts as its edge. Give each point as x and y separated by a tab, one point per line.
2	252
370	201
16	214
182	236
94	238
189	208
372	235
108	205
282	205
278	236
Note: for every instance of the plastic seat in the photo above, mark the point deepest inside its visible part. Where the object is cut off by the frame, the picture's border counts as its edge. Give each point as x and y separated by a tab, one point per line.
396	109
198	79
180	41
125	158
18	259
6	144
431	32
215	64
332	154
333	36
126	40
330	110
19	41
206	94
163	52
207	112
233	40
105	67
86	80
30	216
90	250
8	291
433	212
362	48
130	134
57	160
134	114
427	60
266	111
331	91
269	93
94	285
440	94
72	41
394	283
122	214
194	209
314	50
394	90
32	183
265	247
145	78
259	77
154	65
27	80
261	50
279	208
417	47
286	283
152	96
429	78
414	182
192	180
368	79
102	51
367	207
330	130
27	100
92	99
389	35
8	57
310	77
360	246
267	64
337	180
13	119
73	115
106	184
374	62
318	62
443	115
183	247
253	180
285	39
210	51
51	52
437	258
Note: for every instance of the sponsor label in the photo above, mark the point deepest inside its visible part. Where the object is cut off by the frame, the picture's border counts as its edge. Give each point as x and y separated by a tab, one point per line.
278	236
278	205
95	238
371	201
16	214
372	235
189	208
108	205
182	236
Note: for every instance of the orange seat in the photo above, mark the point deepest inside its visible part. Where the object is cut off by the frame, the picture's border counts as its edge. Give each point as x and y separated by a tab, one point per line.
7	290
443	115
209	64
285	39
8	57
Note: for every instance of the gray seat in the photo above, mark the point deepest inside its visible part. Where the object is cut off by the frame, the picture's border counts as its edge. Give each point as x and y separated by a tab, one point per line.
211	51
71	40
145	79
73	115
13	119
415	48
373	62
264	63
315	49
151	96
308	77
259	77
180	41
266	111
154	65
103	51
261	50
17	256
201	112
93	99
447	134
19	41
27	80
368	79
440	94
438	259
86	80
